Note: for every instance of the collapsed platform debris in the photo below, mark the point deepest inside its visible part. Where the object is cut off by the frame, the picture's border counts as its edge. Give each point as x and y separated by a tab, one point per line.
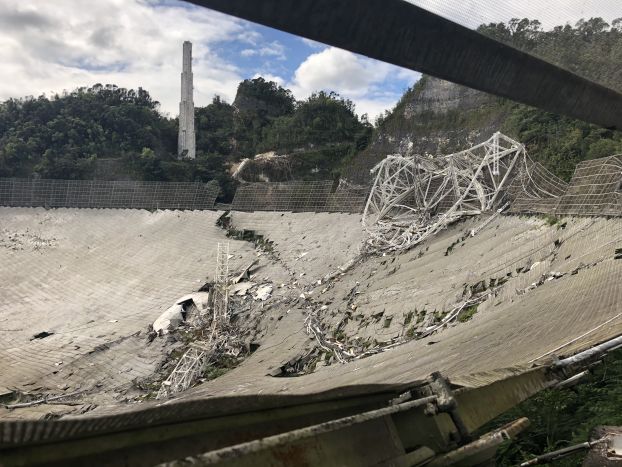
413	196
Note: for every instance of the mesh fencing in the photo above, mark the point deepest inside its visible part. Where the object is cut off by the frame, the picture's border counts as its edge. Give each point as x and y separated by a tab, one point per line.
594	189
16	192
535	190
299	196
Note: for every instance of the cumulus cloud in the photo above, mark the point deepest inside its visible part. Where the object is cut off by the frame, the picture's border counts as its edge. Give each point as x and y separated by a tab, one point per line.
269	77
339	70
311	43
360	79
273	50
69	43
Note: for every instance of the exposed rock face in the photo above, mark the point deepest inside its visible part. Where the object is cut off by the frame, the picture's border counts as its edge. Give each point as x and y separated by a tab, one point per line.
245	103
440	96
437	117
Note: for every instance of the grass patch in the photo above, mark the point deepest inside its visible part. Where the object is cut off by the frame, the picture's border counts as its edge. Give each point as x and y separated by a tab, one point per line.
550	219
408	318
467	314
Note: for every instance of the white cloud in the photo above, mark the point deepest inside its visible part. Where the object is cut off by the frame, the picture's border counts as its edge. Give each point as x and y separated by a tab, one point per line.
69	43
269	77
311	43
338	70
357	78
54	46
273	49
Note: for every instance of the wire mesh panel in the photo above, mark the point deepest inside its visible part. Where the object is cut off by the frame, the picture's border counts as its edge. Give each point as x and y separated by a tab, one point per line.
594	189
300	196
22	192
348	198
535	190
287	196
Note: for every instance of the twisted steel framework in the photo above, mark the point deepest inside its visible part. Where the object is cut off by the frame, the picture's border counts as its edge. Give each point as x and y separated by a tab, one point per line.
415	196
193	362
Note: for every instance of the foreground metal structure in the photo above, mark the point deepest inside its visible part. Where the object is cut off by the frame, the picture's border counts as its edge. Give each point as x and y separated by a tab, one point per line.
427	423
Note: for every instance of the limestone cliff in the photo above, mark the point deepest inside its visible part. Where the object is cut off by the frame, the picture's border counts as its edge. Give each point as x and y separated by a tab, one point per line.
437	117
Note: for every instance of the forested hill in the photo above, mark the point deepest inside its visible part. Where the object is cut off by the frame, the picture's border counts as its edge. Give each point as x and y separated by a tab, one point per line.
441	117
66	136
71	135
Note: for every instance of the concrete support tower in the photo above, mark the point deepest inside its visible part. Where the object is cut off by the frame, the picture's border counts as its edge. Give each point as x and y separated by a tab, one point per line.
186	145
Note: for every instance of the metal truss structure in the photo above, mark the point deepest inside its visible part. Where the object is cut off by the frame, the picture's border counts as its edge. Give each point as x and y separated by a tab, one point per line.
414	196
220	291
192	363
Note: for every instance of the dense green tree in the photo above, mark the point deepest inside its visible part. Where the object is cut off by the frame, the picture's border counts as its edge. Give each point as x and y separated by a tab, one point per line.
257	104
62	136
563	417
323	118
214	127
591	48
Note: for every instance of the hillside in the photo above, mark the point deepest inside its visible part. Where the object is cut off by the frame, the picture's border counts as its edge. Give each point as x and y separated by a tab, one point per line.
110	132
441	117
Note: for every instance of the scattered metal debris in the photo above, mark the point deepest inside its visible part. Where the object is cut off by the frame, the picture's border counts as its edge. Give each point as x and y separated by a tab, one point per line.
44	400
561	453
263	292
217	338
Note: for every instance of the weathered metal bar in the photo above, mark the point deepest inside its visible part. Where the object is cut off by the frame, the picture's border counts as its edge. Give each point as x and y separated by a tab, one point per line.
482	449
403	34
310	431
561	453
166	432
573	380
590	354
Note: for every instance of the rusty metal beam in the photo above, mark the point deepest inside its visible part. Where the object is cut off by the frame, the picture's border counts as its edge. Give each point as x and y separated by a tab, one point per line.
397	32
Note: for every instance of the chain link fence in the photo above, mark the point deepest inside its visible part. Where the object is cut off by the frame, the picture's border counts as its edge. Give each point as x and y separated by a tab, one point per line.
23	192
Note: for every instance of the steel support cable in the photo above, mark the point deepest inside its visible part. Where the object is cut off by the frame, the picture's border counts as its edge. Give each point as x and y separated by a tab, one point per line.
403	34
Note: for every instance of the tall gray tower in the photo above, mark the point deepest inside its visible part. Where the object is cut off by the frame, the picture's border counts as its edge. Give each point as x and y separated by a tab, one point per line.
186	145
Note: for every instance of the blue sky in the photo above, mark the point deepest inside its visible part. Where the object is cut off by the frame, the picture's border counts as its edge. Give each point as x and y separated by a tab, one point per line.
48	47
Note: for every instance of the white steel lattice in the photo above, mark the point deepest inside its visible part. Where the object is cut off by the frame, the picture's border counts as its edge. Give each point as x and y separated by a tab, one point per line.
220	291
414	197
185	372
192	363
